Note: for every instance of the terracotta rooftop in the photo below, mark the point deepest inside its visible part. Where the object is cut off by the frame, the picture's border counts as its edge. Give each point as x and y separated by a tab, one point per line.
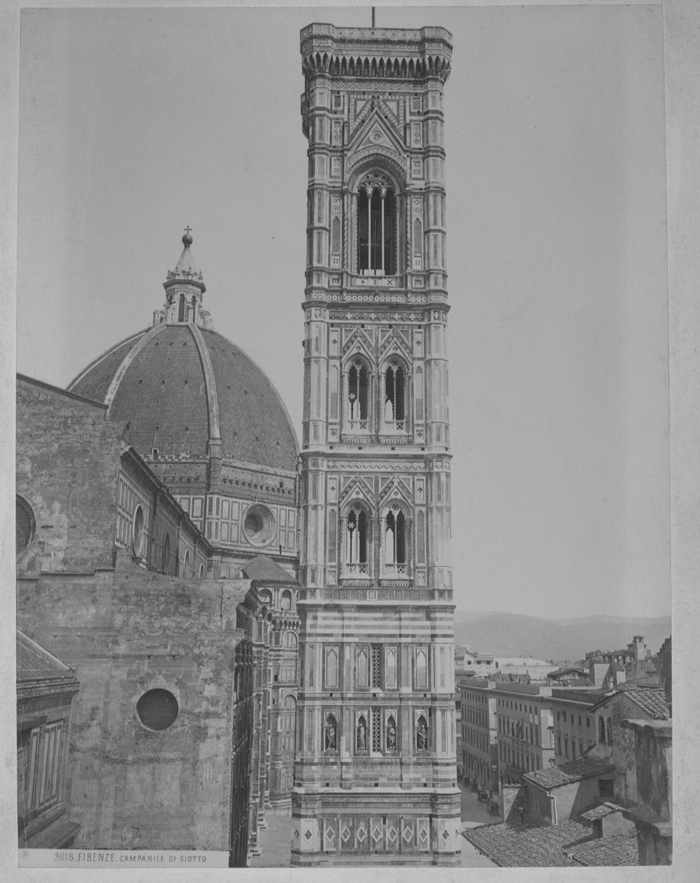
620	849
516	847
598	812
572	771
652	700
574	681
266	570
34	663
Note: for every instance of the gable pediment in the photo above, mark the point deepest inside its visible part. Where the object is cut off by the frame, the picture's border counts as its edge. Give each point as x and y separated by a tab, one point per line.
377	131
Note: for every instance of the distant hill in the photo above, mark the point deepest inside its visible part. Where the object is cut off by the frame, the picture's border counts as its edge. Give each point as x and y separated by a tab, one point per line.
511	634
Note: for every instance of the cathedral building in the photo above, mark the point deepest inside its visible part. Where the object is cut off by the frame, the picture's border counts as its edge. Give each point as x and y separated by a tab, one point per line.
375	777
209	424
156	593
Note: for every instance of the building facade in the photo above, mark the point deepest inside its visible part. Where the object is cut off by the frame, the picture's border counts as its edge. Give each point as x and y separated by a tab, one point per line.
525	730
574	722
375	778
479	733
616	742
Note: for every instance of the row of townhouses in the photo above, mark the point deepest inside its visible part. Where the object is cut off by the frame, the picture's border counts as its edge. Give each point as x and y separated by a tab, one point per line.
585	744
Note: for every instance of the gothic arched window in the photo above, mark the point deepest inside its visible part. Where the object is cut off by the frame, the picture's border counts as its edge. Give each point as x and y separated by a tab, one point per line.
376	225
182	307
356	542
609	731
362	669
394	394
358	391
332	667
601	730
395	537
421	669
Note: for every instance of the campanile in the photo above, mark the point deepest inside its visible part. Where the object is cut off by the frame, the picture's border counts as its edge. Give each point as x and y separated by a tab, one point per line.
375	774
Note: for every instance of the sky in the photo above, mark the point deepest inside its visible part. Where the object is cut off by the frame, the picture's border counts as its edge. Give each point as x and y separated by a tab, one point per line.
137	122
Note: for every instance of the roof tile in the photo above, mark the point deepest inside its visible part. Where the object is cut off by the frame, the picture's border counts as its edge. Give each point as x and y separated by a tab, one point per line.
620	849
572	771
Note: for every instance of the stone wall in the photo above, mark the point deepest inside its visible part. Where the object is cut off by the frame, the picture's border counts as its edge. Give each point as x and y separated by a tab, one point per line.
653	813
67	471
127	632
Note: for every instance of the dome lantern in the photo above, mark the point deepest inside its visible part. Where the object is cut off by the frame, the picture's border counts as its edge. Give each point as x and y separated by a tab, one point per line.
184	289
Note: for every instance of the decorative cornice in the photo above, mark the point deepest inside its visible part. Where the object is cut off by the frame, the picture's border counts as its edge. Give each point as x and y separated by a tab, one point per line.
376	53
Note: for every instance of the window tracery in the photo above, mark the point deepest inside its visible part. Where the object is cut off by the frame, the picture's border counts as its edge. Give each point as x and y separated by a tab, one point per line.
395	557
395	395
376	225
358	395
356	542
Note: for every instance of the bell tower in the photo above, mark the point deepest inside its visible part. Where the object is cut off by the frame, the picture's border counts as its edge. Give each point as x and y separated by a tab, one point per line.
375	775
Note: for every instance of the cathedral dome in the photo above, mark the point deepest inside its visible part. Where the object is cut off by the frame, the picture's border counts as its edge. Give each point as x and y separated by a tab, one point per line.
188	392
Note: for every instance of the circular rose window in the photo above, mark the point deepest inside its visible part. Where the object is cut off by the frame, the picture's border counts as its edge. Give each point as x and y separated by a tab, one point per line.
157	709
259	525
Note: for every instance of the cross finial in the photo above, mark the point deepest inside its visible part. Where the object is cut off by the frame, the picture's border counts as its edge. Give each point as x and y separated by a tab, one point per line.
187	239
188	230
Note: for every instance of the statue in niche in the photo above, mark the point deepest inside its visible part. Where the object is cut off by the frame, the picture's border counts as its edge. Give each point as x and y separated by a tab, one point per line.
361	735
422	735
391	735
330	734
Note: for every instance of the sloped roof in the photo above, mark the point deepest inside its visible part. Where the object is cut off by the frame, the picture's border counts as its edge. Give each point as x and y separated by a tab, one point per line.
652	701
266	570
513	847
599	812
35	663
572	771
572	680
572	670
186	263
620	849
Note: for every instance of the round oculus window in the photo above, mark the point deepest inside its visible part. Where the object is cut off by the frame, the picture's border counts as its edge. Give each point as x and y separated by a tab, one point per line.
259	525
25	524
157	709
